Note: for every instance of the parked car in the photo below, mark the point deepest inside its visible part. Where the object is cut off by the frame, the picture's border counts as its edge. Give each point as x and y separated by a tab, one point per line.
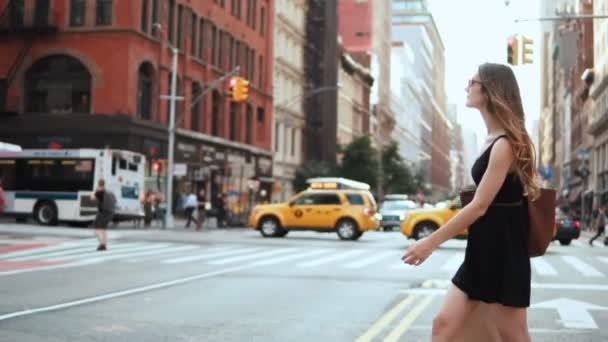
566	228
394	212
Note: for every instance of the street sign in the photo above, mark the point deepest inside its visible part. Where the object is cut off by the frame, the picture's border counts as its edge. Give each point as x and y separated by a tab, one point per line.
573	313
180	170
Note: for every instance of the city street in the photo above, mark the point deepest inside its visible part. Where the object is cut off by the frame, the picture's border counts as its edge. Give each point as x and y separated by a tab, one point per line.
234	285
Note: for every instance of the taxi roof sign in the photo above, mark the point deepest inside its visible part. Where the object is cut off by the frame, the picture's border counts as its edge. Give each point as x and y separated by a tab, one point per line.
333	183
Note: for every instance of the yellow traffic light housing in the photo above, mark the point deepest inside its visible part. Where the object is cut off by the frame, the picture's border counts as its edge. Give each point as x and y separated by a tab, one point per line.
513	50
239	89
527	51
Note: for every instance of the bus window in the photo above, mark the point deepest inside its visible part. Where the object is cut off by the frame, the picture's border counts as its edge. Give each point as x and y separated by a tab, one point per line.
79	173
122	164
8	172
132	167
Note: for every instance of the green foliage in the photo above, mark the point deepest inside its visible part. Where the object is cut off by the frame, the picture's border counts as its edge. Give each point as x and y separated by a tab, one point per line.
311	169
360	162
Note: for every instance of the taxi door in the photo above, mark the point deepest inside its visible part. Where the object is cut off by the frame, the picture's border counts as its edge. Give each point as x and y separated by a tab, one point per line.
300	212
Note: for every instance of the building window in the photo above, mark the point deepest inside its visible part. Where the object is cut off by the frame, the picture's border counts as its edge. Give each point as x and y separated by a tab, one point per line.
216	112
220	49
249	125
219	2
293	142
236	8
193	33
263	21
234	121
254	16
144	15
42	12
277	135
16	12
230	56
77	12
180	21
195	120
144	91
260	125
57	85
154	16
251	65
214	46
171	22
104	12
2	93
201	39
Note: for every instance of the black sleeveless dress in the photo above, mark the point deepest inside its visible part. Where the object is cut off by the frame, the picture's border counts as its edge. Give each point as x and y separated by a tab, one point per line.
496	267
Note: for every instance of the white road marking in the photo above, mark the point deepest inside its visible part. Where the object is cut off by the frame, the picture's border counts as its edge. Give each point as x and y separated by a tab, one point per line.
251	257
581	266
209	255
330	258
49	248
372	259
278	260
111	251
153	251
542	267
453	263
74	252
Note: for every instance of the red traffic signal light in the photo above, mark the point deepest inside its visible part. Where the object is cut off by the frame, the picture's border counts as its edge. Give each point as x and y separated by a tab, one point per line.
512	50
157	166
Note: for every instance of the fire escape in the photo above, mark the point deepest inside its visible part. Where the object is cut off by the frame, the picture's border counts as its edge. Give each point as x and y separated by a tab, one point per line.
20	27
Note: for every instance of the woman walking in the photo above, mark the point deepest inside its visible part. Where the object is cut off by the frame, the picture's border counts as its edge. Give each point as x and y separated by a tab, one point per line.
496	267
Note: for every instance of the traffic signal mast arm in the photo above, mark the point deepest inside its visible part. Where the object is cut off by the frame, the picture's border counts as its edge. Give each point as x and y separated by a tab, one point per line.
213	85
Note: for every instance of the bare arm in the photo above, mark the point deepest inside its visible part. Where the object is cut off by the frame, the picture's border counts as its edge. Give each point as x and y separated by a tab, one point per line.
501	159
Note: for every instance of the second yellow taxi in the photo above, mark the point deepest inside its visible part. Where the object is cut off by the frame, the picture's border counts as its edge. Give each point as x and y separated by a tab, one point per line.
421	223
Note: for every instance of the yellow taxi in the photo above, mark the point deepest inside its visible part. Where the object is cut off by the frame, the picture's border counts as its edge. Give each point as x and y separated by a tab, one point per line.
423	222
329	205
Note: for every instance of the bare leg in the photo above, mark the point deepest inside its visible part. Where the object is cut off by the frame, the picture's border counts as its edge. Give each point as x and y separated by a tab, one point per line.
512	323
453	314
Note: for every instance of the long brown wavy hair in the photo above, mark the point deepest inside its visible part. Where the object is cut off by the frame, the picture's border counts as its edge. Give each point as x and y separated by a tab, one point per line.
504	104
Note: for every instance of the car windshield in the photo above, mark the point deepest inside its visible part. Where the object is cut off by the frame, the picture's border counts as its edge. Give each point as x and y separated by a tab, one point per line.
399	205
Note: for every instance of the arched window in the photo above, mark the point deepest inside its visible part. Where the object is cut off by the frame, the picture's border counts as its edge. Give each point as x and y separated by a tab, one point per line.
195	120
58	84
249	125
216	112
145	87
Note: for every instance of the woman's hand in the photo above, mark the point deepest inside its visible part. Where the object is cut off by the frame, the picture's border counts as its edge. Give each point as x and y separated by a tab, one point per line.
417	253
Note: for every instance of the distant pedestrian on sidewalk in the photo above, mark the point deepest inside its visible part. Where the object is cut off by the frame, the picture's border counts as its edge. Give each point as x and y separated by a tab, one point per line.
600	224
202	208
106	206
190	206
496	267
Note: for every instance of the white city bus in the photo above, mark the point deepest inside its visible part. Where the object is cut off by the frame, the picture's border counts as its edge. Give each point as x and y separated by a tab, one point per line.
57	185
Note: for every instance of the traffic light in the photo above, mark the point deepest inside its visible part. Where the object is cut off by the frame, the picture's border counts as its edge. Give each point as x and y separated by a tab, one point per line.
512	50
239	89
527	50
157	166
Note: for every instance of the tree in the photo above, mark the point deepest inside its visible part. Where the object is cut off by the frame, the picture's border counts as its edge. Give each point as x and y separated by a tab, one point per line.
397	177
360	161
311	169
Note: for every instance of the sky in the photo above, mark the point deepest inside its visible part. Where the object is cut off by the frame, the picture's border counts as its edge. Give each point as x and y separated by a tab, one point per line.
476	31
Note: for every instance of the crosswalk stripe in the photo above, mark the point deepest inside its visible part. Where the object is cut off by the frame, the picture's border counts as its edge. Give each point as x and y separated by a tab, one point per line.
168	254
371	260
290	257
69	251
208	255
150	251
581	266
453	263
87	242
251	256
115	250
579	243
542	267
330	258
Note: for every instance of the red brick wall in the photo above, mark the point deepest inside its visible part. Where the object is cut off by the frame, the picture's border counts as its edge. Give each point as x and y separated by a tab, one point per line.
354	17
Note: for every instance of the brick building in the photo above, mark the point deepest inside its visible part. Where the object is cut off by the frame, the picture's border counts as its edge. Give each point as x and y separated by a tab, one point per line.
89	73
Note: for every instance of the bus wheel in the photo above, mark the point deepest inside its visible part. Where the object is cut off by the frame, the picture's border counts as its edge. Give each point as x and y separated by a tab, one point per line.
46	213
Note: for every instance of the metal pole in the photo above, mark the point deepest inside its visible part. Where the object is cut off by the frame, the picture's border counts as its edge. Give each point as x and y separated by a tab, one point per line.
170	152
564	17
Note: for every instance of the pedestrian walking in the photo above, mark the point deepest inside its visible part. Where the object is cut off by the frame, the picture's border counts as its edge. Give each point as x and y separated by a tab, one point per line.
496	267
600	224
190	205
148	204
220	207
202	208
106	206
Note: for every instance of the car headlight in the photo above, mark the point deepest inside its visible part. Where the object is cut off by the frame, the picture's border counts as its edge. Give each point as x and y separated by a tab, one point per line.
402	217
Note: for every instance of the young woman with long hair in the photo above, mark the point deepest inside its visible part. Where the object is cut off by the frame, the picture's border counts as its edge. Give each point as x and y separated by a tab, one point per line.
496	267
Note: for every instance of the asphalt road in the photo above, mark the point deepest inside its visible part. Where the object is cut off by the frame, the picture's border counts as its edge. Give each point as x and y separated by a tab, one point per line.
234	285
